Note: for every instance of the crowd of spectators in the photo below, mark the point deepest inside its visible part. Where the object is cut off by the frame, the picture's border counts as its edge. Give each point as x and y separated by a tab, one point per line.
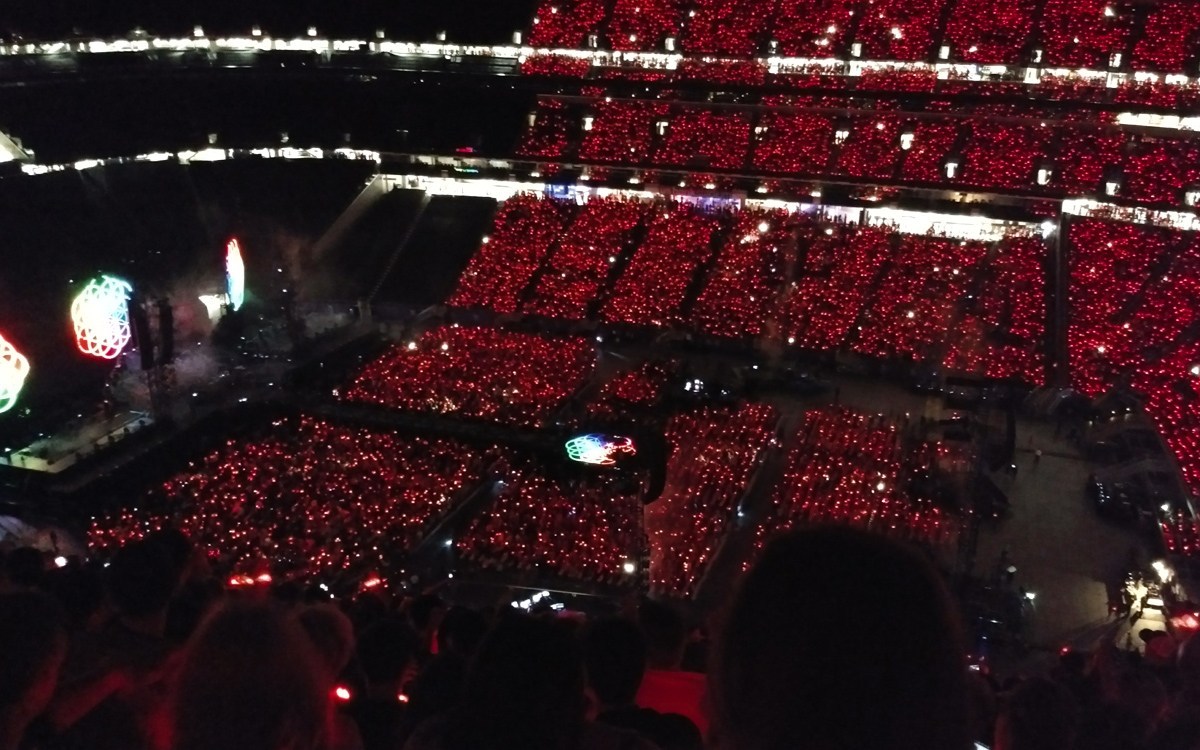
980	31
847	467
1084	158
839	270
1083	33
726	72
1172	389
1063	95
870	148
639	389
899	29
1150	94
654	286
583	528
1004	156
309	501
1110	263
739	300
803	30
580	267
913	310
701	139
154	653
1032	150
727	27
1092	34
151	651
621	131
793	142
926	157
1166	40
1060	86
714	456
480	373
1132	307
815	283
548	135
1170	303
523	233
897	80
643	25
1002	332
1158	171
556	66
1181	536
566	23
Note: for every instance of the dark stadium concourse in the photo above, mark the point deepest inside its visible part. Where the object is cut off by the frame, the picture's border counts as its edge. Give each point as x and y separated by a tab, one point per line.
119	113
600	375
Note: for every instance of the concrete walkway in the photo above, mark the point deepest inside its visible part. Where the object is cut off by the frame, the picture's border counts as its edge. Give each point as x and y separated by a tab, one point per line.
1064	552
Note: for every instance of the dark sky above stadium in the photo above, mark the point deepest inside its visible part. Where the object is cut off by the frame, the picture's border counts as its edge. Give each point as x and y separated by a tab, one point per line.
464	20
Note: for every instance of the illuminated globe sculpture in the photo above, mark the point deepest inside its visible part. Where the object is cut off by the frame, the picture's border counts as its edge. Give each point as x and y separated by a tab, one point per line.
235	274
14	368
598	450
101	317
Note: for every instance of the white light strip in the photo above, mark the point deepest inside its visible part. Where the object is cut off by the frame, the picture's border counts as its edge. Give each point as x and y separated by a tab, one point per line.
1182	220
208	155
11	150
909	222
1170	122
500	190
957	226
1031	75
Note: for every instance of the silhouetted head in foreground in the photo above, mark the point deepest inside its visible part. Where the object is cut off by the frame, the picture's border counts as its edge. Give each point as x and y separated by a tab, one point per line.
840	640
524	691
615	651
33	644
250	681
1039	715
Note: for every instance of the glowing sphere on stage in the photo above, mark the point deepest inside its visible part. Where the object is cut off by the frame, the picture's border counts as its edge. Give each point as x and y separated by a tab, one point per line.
235	274
14	368
101	317
599	450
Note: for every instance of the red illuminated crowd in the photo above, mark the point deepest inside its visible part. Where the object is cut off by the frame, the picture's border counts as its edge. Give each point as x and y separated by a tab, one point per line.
1067	33
740	296
1044	153
818	284
1054	86
634	391
915	305
1011	300
582	262
619	131
1172	389
840	268
1133	312
705	140
480	373
846	467
266	595
793	142
308	501
653	288
313	502
524	231
587	531
714	456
